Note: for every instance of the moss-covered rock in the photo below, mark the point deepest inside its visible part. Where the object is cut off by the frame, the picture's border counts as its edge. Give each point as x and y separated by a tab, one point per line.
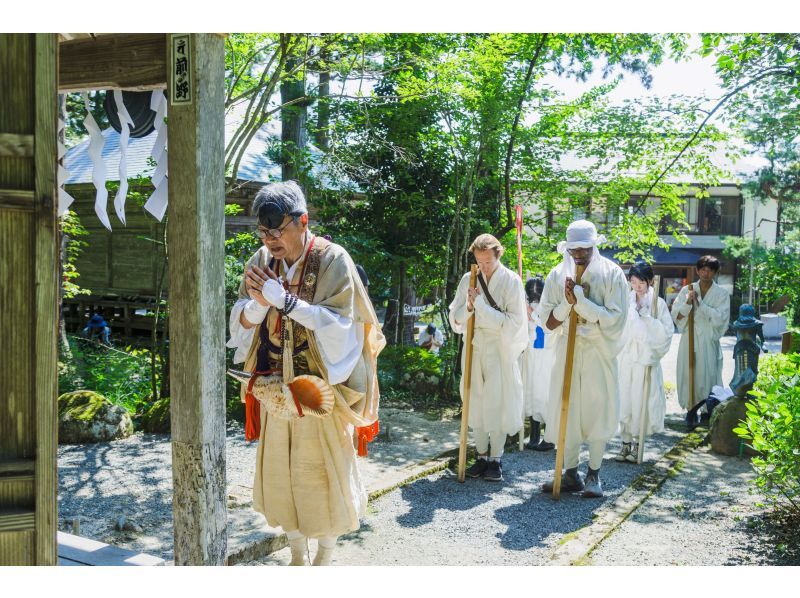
724	419
87	416
156	417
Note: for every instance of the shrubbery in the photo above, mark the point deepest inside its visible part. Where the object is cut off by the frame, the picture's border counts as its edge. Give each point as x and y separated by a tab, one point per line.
773	428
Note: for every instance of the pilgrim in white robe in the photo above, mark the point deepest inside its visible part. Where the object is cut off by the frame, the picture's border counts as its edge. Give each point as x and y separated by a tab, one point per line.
496	403
647	339
602	306
711	320
536	364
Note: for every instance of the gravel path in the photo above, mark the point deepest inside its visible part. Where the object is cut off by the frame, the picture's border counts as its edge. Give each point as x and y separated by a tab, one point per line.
437	521
443	522
132	478
704	516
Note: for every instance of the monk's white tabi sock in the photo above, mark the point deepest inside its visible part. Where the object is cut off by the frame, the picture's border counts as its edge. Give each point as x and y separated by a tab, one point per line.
325	551
298	544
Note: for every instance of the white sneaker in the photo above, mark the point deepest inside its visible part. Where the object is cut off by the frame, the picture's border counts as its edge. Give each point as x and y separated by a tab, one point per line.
624	453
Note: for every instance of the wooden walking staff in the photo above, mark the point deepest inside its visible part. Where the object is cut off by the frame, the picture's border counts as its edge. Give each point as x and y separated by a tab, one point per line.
462	448
648	374
519	271
691	356
565	390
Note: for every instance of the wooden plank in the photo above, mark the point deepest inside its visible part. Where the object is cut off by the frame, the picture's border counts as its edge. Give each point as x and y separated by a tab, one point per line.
17	520
17	492
16	548
16	112
197	317
46	297
135	61
90	552
17	199
16	145
17	440
17	466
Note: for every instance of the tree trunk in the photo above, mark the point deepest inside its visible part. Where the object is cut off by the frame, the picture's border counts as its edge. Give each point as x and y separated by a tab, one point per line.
323	112
293	123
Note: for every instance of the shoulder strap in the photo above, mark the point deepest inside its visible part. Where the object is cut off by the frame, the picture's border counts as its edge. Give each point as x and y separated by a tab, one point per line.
486	292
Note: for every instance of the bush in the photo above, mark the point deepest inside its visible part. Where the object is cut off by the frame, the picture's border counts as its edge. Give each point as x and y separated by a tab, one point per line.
409	368
123	377
772	426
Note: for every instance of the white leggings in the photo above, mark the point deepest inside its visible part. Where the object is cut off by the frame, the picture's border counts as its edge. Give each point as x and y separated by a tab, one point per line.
325	541
572	454
482	440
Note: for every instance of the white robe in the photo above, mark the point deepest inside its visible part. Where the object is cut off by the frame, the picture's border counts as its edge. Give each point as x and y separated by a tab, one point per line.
594	397
647	340
710	322
536	365
499	339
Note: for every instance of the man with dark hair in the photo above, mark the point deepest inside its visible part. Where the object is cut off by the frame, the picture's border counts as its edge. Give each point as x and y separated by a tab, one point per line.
431	338
712	306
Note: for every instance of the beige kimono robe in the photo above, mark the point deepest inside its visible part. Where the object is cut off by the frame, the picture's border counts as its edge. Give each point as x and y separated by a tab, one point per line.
306	477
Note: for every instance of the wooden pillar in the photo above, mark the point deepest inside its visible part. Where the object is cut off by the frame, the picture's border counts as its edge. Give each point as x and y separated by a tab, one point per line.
28	296
196	236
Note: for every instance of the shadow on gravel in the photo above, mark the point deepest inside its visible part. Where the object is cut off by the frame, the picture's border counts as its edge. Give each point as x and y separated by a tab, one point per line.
427	496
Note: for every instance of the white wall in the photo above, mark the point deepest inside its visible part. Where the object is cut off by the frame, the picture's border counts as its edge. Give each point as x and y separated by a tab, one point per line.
767	231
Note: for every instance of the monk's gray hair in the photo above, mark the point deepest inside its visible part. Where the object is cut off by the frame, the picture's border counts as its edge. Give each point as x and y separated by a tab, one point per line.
287	195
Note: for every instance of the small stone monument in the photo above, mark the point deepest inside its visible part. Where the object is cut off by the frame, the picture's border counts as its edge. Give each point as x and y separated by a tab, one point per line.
728	415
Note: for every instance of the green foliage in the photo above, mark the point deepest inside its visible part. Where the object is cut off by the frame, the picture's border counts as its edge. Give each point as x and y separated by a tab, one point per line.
123	377
73	230
773	428
775	272
409	368
238	249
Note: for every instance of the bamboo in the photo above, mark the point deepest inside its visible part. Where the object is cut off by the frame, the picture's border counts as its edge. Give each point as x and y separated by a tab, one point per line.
462	448
565	390
648	374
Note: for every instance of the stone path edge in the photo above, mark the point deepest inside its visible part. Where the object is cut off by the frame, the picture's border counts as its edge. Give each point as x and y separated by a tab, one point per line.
576	548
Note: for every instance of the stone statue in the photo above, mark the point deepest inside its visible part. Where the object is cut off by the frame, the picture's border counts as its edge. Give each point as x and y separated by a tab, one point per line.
725	417
749	344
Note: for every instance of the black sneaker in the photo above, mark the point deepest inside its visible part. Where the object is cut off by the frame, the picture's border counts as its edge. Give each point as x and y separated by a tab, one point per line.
494	472
571	481
477	469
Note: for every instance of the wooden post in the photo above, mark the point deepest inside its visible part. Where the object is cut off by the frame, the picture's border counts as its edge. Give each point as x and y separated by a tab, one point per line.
28	294
467	373
690	324
195	232
565	390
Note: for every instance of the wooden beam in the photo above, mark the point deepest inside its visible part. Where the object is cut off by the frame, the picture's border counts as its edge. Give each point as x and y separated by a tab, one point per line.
196	237
17	146
133	61
45	297
17	466
17	199
17	520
